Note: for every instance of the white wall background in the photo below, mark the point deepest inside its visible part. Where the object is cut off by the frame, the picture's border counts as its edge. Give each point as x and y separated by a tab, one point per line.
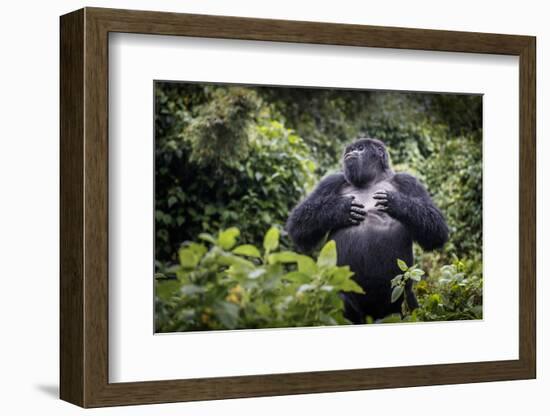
29	159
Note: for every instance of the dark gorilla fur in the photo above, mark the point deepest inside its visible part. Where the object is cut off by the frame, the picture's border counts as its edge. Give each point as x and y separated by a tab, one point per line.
374	215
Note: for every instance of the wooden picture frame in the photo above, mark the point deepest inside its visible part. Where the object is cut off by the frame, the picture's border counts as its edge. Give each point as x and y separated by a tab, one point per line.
84	207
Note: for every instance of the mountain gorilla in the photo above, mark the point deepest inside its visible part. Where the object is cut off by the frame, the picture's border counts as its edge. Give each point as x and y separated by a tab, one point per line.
374	215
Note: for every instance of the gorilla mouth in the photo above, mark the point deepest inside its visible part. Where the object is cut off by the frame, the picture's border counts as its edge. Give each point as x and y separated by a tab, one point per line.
350	156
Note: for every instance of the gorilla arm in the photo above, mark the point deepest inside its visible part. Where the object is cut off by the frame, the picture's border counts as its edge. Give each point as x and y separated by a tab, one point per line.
322	211
412	205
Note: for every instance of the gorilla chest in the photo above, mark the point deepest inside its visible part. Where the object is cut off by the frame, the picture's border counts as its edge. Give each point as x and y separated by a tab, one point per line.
375	218
375	243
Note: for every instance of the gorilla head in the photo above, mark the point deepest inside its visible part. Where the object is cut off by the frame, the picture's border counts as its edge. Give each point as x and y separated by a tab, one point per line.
364	160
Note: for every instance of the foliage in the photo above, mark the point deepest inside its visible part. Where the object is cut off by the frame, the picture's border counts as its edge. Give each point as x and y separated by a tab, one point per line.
398	282
454	293
219	133
229	287
201	186
235	155
459	194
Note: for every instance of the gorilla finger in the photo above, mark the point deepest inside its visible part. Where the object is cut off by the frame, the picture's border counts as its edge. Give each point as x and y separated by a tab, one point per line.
357	205
380	196
383	208
358	210
357	216
353	222
381	203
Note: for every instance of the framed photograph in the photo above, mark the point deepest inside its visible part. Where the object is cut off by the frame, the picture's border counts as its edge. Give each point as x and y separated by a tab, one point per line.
255	207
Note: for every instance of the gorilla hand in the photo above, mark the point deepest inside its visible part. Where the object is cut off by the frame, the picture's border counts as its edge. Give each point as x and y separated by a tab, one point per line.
388	201
354	212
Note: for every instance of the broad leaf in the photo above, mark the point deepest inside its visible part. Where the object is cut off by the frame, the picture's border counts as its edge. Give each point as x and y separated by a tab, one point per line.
327	257
402	265
340	275
416	274
351	286
283	257
188	258
228	238
271	239
240	263
394	318
247	250
198	249
306	265
396	293
207	237
297	277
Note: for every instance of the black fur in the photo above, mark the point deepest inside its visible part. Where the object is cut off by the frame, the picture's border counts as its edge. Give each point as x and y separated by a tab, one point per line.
374	215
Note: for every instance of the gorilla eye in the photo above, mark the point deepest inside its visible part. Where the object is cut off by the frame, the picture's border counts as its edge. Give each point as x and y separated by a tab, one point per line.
360	147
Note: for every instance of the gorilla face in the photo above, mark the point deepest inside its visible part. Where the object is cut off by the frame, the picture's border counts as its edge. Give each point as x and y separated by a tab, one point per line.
364	160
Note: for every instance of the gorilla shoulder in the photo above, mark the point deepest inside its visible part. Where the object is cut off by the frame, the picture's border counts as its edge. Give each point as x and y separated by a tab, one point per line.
331	184
409	185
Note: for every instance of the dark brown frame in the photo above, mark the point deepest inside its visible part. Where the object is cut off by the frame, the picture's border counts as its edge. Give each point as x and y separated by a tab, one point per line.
84	209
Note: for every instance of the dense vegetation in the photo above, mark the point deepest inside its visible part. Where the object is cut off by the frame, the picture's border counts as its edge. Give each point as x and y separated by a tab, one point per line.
242	157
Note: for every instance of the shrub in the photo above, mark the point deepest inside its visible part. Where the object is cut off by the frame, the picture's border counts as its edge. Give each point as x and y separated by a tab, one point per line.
453	294
231	287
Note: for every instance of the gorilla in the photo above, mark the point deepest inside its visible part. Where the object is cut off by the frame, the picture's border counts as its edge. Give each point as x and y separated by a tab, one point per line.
374	215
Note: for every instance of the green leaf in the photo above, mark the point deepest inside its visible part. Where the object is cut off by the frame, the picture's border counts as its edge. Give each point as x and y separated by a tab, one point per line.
198	249
271	239
207	237
402	265
297	277
306	265
283	257
391	319
396	293
188	258
416	275
396	280
228	238
165	289
227	313
239	263
339	275
351	286
247	250
172	200
327	257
